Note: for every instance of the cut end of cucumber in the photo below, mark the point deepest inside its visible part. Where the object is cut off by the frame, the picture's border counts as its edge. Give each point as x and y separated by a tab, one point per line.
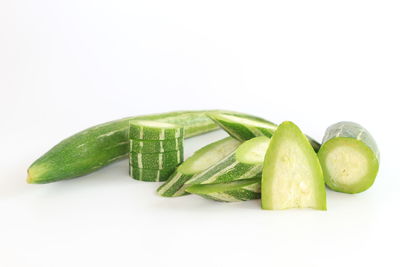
348	164
153	124
253	151
292	176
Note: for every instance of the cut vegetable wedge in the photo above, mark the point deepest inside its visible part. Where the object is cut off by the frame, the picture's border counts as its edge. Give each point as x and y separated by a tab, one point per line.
292	176
155	160
150	175
229	192
244	127
349	158
244	163
155	146
154	130
198	162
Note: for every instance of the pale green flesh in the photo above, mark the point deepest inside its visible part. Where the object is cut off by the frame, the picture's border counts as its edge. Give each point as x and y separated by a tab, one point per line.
212	188
253	151
153	124
292	176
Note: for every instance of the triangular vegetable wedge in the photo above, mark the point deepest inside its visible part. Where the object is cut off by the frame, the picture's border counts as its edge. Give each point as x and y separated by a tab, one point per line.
292	176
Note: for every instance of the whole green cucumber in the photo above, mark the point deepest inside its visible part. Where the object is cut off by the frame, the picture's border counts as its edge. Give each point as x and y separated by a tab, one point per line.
102	144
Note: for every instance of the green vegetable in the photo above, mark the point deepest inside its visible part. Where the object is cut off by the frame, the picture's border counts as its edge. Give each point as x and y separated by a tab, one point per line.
244	163
150	175
198	162
100	145
154	130
244	127
155	146
292	176
349	158
156	160
229	192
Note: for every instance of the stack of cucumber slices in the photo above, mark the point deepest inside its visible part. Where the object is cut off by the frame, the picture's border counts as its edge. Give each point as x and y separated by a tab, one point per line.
277	163
155	149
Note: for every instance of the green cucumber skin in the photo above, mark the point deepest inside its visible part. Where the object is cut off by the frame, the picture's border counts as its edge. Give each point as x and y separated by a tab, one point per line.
141	132
150	146
243	132
249	190
353	130
100	145
156	160
227	170
149	175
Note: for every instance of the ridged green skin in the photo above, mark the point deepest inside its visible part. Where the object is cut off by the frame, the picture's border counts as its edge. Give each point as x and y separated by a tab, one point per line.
227	170
100	145
165	131
150	175
175	185
153	146
292	176
156	160
244	131
242	190
354	136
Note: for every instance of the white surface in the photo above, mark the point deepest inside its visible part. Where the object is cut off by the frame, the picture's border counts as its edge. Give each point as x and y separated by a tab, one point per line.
67	65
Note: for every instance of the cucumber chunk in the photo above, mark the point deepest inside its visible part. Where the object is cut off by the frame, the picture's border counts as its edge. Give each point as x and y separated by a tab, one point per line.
154	130
150	175
349	158
292	176
201	160
156	160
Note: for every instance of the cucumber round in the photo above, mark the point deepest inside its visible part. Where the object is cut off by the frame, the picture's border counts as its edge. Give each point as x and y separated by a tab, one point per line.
155	146
349	158
229	192
154	130
292	176
156	160
150	175
201	160
244	163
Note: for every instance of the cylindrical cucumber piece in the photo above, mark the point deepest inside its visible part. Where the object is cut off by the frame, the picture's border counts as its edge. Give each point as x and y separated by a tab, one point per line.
150	175
201	160
156	160
154	130
154	146
349	158
229	192
100	145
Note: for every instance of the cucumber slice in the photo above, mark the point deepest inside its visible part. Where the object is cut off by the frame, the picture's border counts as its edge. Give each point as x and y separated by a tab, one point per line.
155	146
155	160
150	175
244	127
154	130
292	176
244	163
349	158
198	162
229	192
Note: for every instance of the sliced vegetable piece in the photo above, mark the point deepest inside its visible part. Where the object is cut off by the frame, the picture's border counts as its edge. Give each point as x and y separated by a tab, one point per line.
349	158
244	127
154	130
292	176
229	192
156	160
150	175
155	146
244	163
201	160
103	144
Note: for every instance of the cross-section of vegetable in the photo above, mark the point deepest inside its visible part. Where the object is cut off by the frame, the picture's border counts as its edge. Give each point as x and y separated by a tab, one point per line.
349	158
292	176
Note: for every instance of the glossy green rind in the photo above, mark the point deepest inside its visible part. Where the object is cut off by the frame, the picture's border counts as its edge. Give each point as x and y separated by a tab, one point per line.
349	158
153	146
242	190
154	130
201	160
150	175
244	127
292	176
156	160
103	144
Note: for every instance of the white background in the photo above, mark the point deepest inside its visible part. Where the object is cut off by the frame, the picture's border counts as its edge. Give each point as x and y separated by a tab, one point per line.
68	65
